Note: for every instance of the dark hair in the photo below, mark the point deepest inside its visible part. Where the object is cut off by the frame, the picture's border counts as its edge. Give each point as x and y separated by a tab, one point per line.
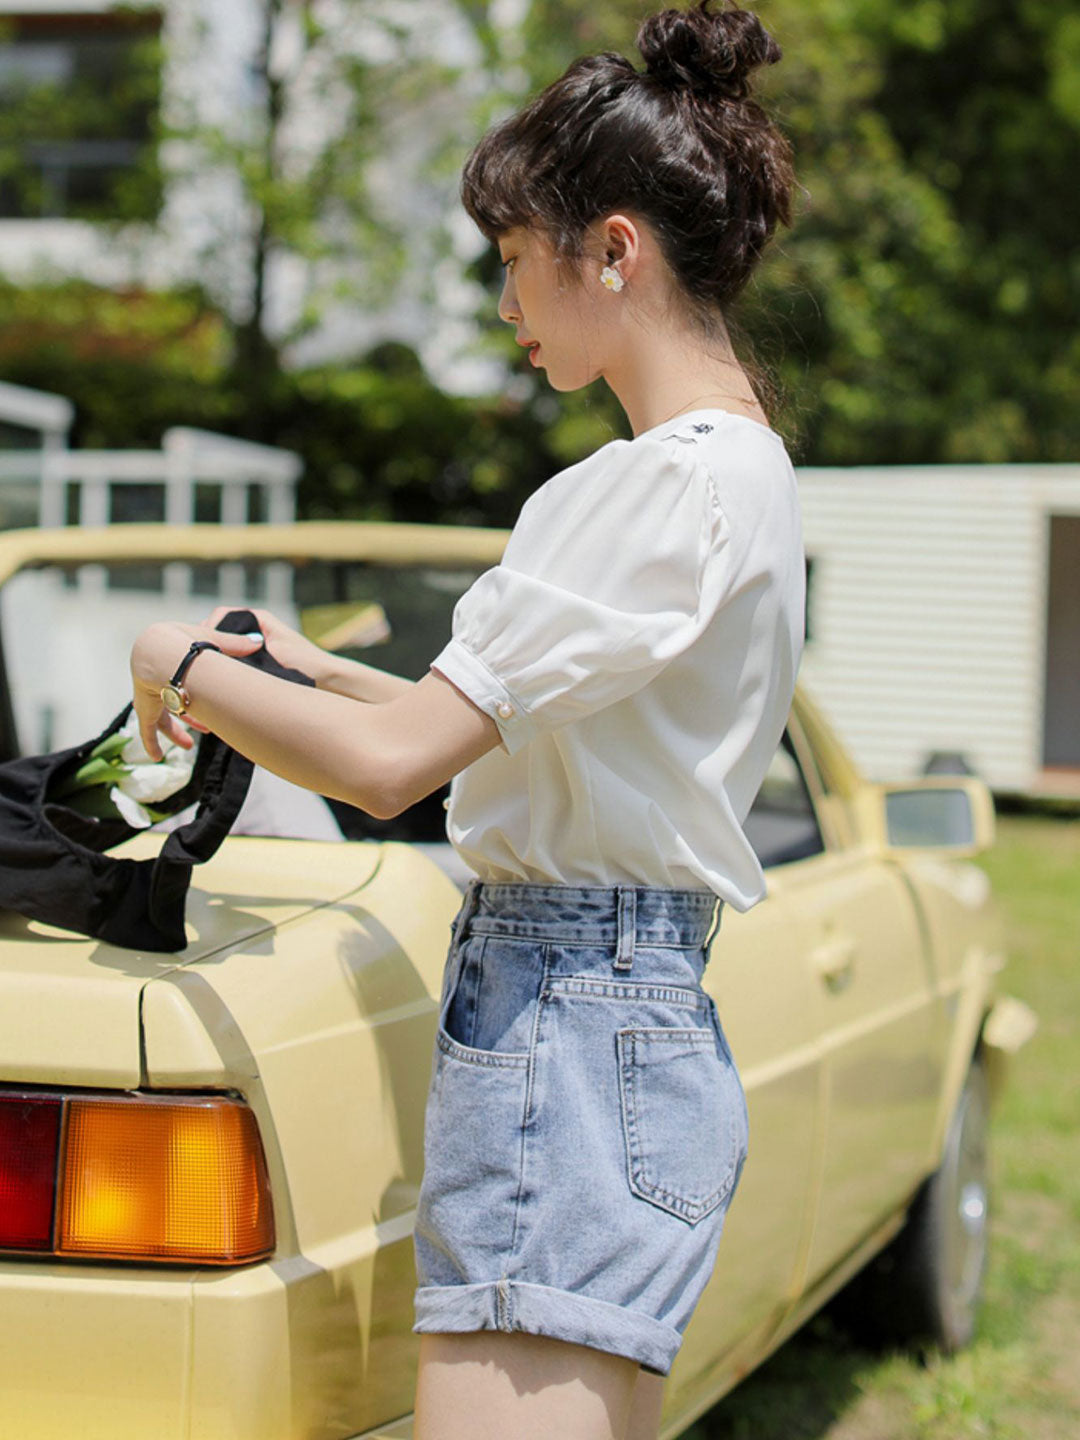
680	143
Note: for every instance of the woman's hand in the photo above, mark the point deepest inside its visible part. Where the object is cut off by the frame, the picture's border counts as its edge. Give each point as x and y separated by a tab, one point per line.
154	658
287	646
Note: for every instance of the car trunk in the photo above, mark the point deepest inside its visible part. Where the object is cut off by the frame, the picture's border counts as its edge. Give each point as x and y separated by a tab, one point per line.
70	1006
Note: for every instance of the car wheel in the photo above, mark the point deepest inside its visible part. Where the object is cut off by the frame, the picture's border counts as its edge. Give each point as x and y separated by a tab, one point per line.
927	1284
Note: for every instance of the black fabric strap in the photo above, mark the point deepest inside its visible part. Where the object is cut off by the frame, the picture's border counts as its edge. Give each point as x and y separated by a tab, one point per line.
53	865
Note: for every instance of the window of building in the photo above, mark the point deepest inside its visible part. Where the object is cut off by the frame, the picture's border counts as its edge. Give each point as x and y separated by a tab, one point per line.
79	100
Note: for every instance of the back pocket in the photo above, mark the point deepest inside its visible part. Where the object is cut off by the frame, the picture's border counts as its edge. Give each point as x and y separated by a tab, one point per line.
682	1113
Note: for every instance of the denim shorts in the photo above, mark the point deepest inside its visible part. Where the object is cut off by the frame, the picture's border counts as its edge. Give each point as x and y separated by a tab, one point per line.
585	1126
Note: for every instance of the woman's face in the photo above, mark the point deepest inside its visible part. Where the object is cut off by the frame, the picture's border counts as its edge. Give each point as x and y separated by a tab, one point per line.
552	311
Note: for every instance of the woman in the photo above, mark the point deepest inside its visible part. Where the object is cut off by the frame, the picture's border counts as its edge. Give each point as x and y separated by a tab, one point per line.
608	704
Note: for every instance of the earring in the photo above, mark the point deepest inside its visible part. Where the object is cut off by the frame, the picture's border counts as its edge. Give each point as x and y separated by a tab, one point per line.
610	277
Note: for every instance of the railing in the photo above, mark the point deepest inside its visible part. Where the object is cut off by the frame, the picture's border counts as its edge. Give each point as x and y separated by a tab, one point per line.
80	486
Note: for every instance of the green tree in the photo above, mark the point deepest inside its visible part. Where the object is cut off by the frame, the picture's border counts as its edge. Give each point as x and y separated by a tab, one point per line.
294	156
923	307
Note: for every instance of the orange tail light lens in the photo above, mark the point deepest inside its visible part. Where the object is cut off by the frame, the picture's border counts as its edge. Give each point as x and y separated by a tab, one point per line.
147	1178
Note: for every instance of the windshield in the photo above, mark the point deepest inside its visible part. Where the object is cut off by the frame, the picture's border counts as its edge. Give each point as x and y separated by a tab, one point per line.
67	631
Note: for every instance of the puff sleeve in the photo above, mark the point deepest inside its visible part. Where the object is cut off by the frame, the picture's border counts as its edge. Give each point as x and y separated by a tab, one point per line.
614	567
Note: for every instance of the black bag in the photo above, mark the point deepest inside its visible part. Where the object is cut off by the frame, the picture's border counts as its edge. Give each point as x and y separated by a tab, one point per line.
52	865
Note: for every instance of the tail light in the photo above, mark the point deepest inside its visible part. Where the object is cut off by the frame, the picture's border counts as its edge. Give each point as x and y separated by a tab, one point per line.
134	1177
29	1132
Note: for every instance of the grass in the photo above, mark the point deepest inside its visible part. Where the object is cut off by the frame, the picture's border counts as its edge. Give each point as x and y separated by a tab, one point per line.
1020	1379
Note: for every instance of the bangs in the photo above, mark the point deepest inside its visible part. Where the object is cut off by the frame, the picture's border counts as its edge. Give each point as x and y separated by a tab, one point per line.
548	165
495	189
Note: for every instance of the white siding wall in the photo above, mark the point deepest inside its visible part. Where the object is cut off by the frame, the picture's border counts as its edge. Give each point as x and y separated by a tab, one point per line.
928	623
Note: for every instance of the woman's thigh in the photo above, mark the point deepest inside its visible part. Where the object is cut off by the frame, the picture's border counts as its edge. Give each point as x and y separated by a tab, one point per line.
490	1385
647	1404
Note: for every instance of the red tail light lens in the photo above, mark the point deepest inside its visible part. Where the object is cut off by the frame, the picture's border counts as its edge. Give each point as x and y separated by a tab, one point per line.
29	1134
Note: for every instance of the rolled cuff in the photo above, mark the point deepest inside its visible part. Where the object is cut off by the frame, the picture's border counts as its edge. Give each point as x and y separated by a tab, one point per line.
468	673
509	1305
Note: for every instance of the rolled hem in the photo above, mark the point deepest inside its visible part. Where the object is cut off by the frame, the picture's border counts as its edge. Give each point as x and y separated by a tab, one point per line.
509	1305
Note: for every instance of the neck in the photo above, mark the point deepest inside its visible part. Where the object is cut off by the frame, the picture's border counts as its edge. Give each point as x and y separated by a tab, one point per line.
675	373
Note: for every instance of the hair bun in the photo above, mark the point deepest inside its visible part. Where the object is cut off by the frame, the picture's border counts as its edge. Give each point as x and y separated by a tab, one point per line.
709	54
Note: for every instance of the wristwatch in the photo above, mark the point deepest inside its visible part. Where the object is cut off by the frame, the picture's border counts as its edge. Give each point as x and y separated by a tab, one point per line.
173	695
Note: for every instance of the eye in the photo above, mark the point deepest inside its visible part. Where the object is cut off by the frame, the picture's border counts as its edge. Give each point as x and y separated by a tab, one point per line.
509	263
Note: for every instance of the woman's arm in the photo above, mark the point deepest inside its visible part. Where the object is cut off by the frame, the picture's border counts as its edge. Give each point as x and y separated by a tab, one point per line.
381	757
360	682
329	671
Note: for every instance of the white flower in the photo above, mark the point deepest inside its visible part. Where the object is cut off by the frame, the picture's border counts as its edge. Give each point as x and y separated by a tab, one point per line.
149	780
130	810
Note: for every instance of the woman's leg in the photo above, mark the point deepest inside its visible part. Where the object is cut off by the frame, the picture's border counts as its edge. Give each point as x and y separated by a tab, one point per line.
489	1385
648	1401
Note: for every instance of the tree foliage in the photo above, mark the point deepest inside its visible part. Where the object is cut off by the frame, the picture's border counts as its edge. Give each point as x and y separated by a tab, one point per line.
923	308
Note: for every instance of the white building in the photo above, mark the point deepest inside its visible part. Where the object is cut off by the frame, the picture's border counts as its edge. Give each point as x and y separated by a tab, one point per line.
197	475
944	618
203	229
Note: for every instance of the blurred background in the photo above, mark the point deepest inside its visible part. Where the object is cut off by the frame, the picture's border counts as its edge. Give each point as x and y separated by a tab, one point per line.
244	217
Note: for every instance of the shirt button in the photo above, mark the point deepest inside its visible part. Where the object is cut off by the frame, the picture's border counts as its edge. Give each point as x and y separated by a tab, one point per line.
446	803
505	711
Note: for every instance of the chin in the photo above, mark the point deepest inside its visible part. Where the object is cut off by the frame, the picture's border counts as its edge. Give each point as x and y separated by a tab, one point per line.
567	384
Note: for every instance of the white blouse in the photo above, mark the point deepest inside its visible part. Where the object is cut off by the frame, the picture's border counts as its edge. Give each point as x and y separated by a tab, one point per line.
637	648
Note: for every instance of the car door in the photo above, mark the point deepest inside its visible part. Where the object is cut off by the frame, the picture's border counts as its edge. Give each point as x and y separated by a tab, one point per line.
768	1004
883	1035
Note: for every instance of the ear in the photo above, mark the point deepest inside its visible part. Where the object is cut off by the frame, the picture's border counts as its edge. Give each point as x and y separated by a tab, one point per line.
620	238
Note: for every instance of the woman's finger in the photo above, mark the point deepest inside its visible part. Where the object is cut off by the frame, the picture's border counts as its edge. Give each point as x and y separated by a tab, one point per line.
147	715
171	727
240	645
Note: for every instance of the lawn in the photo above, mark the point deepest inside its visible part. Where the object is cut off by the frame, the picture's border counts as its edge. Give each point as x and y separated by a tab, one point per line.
1020	1380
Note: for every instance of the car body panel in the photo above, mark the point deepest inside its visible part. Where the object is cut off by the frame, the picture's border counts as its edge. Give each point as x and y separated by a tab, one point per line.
316	1341
884	1043
69	1006
773	1034
348	1010
94	1351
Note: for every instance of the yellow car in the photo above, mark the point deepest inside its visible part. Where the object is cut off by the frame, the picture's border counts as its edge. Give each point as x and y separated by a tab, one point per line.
209	1160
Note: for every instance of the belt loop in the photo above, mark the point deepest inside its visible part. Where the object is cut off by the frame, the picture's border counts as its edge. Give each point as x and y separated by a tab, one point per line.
469	907
454	958
624	954
718	909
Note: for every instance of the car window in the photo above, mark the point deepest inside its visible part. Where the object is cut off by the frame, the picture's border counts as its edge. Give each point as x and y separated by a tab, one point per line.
66	634
782	825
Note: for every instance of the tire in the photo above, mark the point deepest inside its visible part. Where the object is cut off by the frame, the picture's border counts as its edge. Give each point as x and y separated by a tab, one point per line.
925	1287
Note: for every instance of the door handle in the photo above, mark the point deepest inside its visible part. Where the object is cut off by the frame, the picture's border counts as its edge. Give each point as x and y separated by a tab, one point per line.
834	961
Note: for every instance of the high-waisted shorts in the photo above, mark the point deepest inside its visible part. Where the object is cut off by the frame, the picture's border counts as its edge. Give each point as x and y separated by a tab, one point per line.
586	1125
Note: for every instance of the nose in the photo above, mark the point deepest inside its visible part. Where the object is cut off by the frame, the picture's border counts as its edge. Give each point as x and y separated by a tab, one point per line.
508	301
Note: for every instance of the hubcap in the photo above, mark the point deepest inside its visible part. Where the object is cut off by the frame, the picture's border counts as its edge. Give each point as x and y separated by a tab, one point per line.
968	1215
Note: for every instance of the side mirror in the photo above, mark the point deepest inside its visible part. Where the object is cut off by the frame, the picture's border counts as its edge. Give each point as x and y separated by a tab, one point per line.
954	816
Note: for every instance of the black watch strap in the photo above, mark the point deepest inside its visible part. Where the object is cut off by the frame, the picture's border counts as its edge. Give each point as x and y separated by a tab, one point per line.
185	663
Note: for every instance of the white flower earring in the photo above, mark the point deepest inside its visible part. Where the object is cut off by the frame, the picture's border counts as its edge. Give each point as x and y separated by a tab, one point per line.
610	277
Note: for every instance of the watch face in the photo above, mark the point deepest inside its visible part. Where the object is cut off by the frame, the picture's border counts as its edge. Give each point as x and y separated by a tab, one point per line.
174	699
